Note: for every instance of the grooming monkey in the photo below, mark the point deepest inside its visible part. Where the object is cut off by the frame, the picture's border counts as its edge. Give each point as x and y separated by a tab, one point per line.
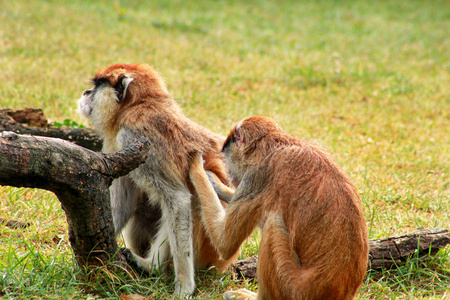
314	241
152	205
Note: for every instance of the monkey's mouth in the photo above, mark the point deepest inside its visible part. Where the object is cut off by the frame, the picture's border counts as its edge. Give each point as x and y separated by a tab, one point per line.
84	107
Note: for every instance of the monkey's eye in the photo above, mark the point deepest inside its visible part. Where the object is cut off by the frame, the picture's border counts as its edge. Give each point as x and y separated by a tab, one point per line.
88	92
99	81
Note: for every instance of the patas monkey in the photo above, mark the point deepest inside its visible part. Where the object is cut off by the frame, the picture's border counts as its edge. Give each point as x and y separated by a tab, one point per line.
314	241
152	205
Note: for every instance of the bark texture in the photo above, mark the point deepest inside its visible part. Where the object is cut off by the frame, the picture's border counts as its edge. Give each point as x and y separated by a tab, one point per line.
393	251
79	177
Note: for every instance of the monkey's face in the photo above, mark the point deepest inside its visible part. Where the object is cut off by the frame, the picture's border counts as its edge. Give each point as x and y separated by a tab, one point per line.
103	91
101	103
233	154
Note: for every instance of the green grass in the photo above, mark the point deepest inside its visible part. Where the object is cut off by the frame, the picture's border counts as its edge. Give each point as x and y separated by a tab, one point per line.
368	80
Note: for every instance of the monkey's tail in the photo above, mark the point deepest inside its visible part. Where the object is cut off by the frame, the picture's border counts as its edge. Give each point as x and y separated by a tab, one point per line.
280	271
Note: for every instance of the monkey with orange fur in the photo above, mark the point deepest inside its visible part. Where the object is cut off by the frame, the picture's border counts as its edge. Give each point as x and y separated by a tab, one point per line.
152	205
314	241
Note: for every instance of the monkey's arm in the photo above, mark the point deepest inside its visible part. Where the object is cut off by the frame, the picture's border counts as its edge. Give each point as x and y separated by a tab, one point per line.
227	229
224	192
124	195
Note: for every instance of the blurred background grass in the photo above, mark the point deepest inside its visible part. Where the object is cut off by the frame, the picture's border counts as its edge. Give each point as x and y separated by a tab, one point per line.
367	80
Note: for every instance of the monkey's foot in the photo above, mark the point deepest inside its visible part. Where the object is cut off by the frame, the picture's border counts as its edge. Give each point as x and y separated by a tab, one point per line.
241	294
131	261
187	293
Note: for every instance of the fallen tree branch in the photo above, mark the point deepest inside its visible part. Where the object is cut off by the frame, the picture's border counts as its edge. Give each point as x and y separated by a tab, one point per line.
383	253
79	177
33	121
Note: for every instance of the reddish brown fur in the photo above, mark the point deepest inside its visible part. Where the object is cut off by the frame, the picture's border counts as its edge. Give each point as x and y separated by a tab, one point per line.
149	108
314	241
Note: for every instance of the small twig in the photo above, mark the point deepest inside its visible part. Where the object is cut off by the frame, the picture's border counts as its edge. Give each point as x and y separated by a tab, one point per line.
14	224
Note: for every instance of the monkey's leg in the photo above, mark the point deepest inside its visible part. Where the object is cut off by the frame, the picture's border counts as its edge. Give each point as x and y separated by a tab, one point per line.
175	234
177	218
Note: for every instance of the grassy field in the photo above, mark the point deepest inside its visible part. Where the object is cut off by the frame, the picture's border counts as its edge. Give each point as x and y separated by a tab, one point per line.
367	80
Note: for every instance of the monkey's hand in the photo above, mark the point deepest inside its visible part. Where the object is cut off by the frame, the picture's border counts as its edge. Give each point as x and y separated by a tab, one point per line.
224	192
131	261
200	180
196	164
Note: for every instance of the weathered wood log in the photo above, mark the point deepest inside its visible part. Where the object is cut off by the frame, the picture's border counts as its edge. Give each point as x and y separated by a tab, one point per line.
80	178
33	121
394	251
383	253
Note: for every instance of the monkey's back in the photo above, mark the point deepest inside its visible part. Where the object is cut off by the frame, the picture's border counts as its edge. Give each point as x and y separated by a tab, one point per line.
323	215
170	130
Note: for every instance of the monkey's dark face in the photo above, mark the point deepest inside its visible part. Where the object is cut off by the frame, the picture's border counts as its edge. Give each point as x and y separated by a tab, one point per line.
103	90
101	104
233	155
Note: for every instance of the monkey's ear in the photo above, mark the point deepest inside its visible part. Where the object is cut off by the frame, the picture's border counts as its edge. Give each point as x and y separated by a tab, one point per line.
122	87
238	137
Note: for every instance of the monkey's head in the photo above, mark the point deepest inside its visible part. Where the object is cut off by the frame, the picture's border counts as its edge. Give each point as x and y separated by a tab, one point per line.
116	89
248	143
